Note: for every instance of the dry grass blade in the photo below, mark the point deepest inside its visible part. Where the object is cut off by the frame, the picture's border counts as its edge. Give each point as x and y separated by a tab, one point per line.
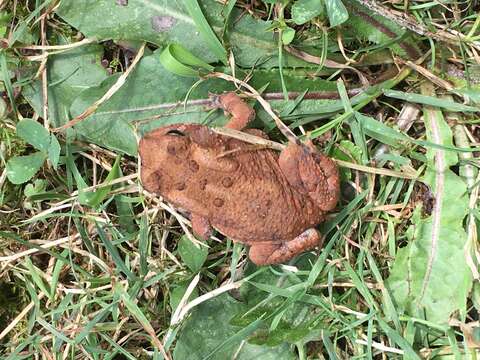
182	312
277	146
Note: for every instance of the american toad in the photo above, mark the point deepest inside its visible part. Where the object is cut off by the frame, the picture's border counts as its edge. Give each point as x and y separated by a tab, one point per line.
254	195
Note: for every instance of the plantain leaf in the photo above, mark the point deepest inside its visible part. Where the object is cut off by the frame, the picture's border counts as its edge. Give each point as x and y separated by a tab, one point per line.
337	13
34	133
193	256
163	22
305	10
208	334
69	74
430	277
20	169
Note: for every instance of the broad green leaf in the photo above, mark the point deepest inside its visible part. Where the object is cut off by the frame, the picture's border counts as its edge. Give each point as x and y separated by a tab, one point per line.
336	11
305	10
381	31
34	133
54	151
156	21
69	74
192	255
208	327
163	22
20	169
430	277
287	35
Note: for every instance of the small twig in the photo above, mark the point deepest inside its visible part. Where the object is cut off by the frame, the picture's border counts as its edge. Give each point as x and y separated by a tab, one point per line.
381	347
277	146
48	245
59	47
197	301
430	76
91	109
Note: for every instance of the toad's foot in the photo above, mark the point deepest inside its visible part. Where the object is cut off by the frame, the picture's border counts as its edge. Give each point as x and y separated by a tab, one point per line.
201	226
274	253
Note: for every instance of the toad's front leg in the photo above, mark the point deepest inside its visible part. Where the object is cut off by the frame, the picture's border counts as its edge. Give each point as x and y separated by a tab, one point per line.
266	253
232	104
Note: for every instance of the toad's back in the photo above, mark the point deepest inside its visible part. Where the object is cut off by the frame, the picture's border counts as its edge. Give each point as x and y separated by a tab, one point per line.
238	187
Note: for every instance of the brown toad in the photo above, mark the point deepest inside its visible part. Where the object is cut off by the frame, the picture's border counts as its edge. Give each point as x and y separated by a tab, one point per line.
254	195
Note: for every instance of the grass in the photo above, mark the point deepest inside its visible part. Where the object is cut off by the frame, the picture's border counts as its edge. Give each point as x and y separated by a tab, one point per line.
94	267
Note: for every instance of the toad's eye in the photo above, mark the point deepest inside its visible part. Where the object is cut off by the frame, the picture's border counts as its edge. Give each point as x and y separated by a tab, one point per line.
175	132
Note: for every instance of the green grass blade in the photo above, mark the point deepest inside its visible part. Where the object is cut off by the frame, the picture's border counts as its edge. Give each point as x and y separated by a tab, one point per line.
431	100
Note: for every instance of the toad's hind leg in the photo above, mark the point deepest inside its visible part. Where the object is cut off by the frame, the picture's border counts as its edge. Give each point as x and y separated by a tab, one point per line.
274	253
312	173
